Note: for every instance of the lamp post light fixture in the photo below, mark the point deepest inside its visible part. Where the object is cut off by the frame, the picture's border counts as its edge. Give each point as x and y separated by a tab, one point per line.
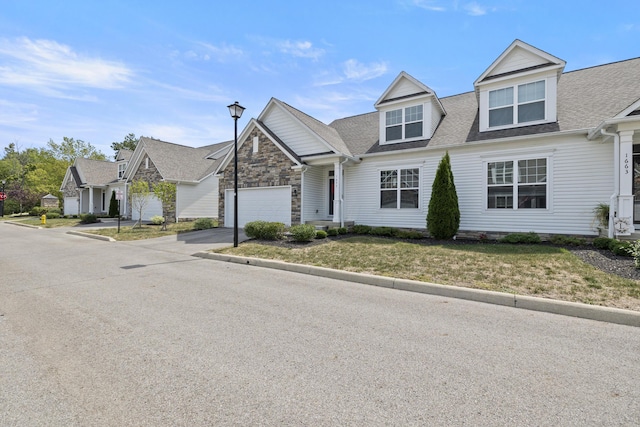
3	199
236	111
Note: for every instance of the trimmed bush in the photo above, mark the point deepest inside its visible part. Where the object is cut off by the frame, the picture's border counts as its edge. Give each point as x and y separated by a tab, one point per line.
113	205
88	219
620	248
203	224
342	230
157	220
443	216
37	211
361	229
332	232
264	230
410	234
53	215
321	234
567	241
385	231
303	232
529	238
602	242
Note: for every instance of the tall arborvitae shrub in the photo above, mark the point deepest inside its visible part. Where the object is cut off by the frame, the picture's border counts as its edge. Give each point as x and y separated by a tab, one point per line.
443	218
113	206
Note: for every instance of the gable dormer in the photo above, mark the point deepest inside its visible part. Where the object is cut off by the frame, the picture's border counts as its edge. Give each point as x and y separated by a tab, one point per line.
519	88
409	111
122	159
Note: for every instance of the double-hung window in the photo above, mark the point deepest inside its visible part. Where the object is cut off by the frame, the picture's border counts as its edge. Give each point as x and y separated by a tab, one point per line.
399	188
404	123
121	168
517	104
521	187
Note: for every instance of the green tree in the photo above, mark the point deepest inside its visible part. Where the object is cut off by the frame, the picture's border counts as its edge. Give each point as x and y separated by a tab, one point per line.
113	206
443	217
166	193
139	198
130	142
70	149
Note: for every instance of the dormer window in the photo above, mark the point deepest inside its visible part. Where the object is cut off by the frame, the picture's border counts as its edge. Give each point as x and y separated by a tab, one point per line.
404	123
530	105
121	168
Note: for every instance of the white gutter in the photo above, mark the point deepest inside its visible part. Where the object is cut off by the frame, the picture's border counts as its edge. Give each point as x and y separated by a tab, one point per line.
616	181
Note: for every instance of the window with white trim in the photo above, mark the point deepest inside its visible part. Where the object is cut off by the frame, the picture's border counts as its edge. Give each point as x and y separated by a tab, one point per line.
526	184
404	123
121	168
399	188
530	105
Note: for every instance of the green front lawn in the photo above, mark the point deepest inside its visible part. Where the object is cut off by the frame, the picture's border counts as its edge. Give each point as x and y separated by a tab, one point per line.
538	270
146	232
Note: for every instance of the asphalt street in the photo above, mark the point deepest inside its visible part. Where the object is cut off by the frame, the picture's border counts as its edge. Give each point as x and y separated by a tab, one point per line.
96	333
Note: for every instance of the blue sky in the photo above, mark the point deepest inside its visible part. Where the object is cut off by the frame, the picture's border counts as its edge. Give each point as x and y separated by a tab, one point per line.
98	70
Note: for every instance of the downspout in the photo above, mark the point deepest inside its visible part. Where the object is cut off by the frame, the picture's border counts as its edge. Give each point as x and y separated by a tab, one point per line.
613	200
302	171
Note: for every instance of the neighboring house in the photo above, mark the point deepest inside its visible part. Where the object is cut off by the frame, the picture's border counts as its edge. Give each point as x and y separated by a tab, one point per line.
532	149
191	169
87	184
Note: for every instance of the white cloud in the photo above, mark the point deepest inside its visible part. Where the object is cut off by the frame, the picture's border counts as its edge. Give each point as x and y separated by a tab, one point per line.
52	68
222	53
431	5
474	9
355	70
301	49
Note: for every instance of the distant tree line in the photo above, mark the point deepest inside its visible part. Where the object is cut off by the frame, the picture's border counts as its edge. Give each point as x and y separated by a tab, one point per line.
34	172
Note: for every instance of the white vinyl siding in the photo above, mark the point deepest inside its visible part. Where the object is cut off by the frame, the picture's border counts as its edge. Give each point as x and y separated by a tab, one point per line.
578	184
315	193
292	133
198	201
362	192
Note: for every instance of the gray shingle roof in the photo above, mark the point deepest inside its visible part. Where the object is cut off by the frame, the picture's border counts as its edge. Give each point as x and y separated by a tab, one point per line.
177	162
96	172
585	98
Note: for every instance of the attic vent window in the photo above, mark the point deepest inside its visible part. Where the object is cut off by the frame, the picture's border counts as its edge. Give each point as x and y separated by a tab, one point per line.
407	127
146	163
256	141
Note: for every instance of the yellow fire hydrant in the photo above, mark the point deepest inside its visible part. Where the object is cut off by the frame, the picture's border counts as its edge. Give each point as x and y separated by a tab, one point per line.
43	219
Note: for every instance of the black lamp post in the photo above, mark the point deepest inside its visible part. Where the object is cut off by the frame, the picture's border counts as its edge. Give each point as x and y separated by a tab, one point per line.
235	110
3	198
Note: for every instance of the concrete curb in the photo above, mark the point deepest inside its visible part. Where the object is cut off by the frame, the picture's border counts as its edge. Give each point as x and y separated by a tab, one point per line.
92	236
565	308
23	225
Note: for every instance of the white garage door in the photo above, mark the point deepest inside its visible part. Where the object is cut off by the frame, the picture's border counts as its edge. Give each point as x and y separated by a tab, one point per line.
266	204
71	206
153	208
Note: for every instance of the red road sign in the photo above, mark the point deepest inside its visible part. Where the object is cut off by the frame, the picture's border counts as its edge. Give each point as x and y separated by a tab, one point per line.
3	196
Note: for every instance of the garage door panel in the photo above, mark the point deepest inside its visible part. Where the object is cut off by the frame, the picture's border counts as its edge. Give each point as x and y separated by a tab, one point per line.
265	203
153	208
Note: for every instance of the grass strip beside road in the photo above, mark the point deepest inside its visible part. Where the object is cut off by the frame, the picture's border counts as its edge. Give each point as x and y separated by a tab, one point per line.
536	270
146	232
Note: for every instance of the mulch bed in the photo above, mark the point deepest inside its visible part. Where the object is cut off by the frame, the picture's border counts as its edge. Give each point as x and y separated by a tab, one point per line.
601	259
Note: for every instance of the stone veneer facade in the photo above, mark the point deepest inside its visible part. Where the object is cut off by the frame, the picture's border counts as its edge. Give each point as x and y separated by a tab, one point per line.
269	167
152	176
